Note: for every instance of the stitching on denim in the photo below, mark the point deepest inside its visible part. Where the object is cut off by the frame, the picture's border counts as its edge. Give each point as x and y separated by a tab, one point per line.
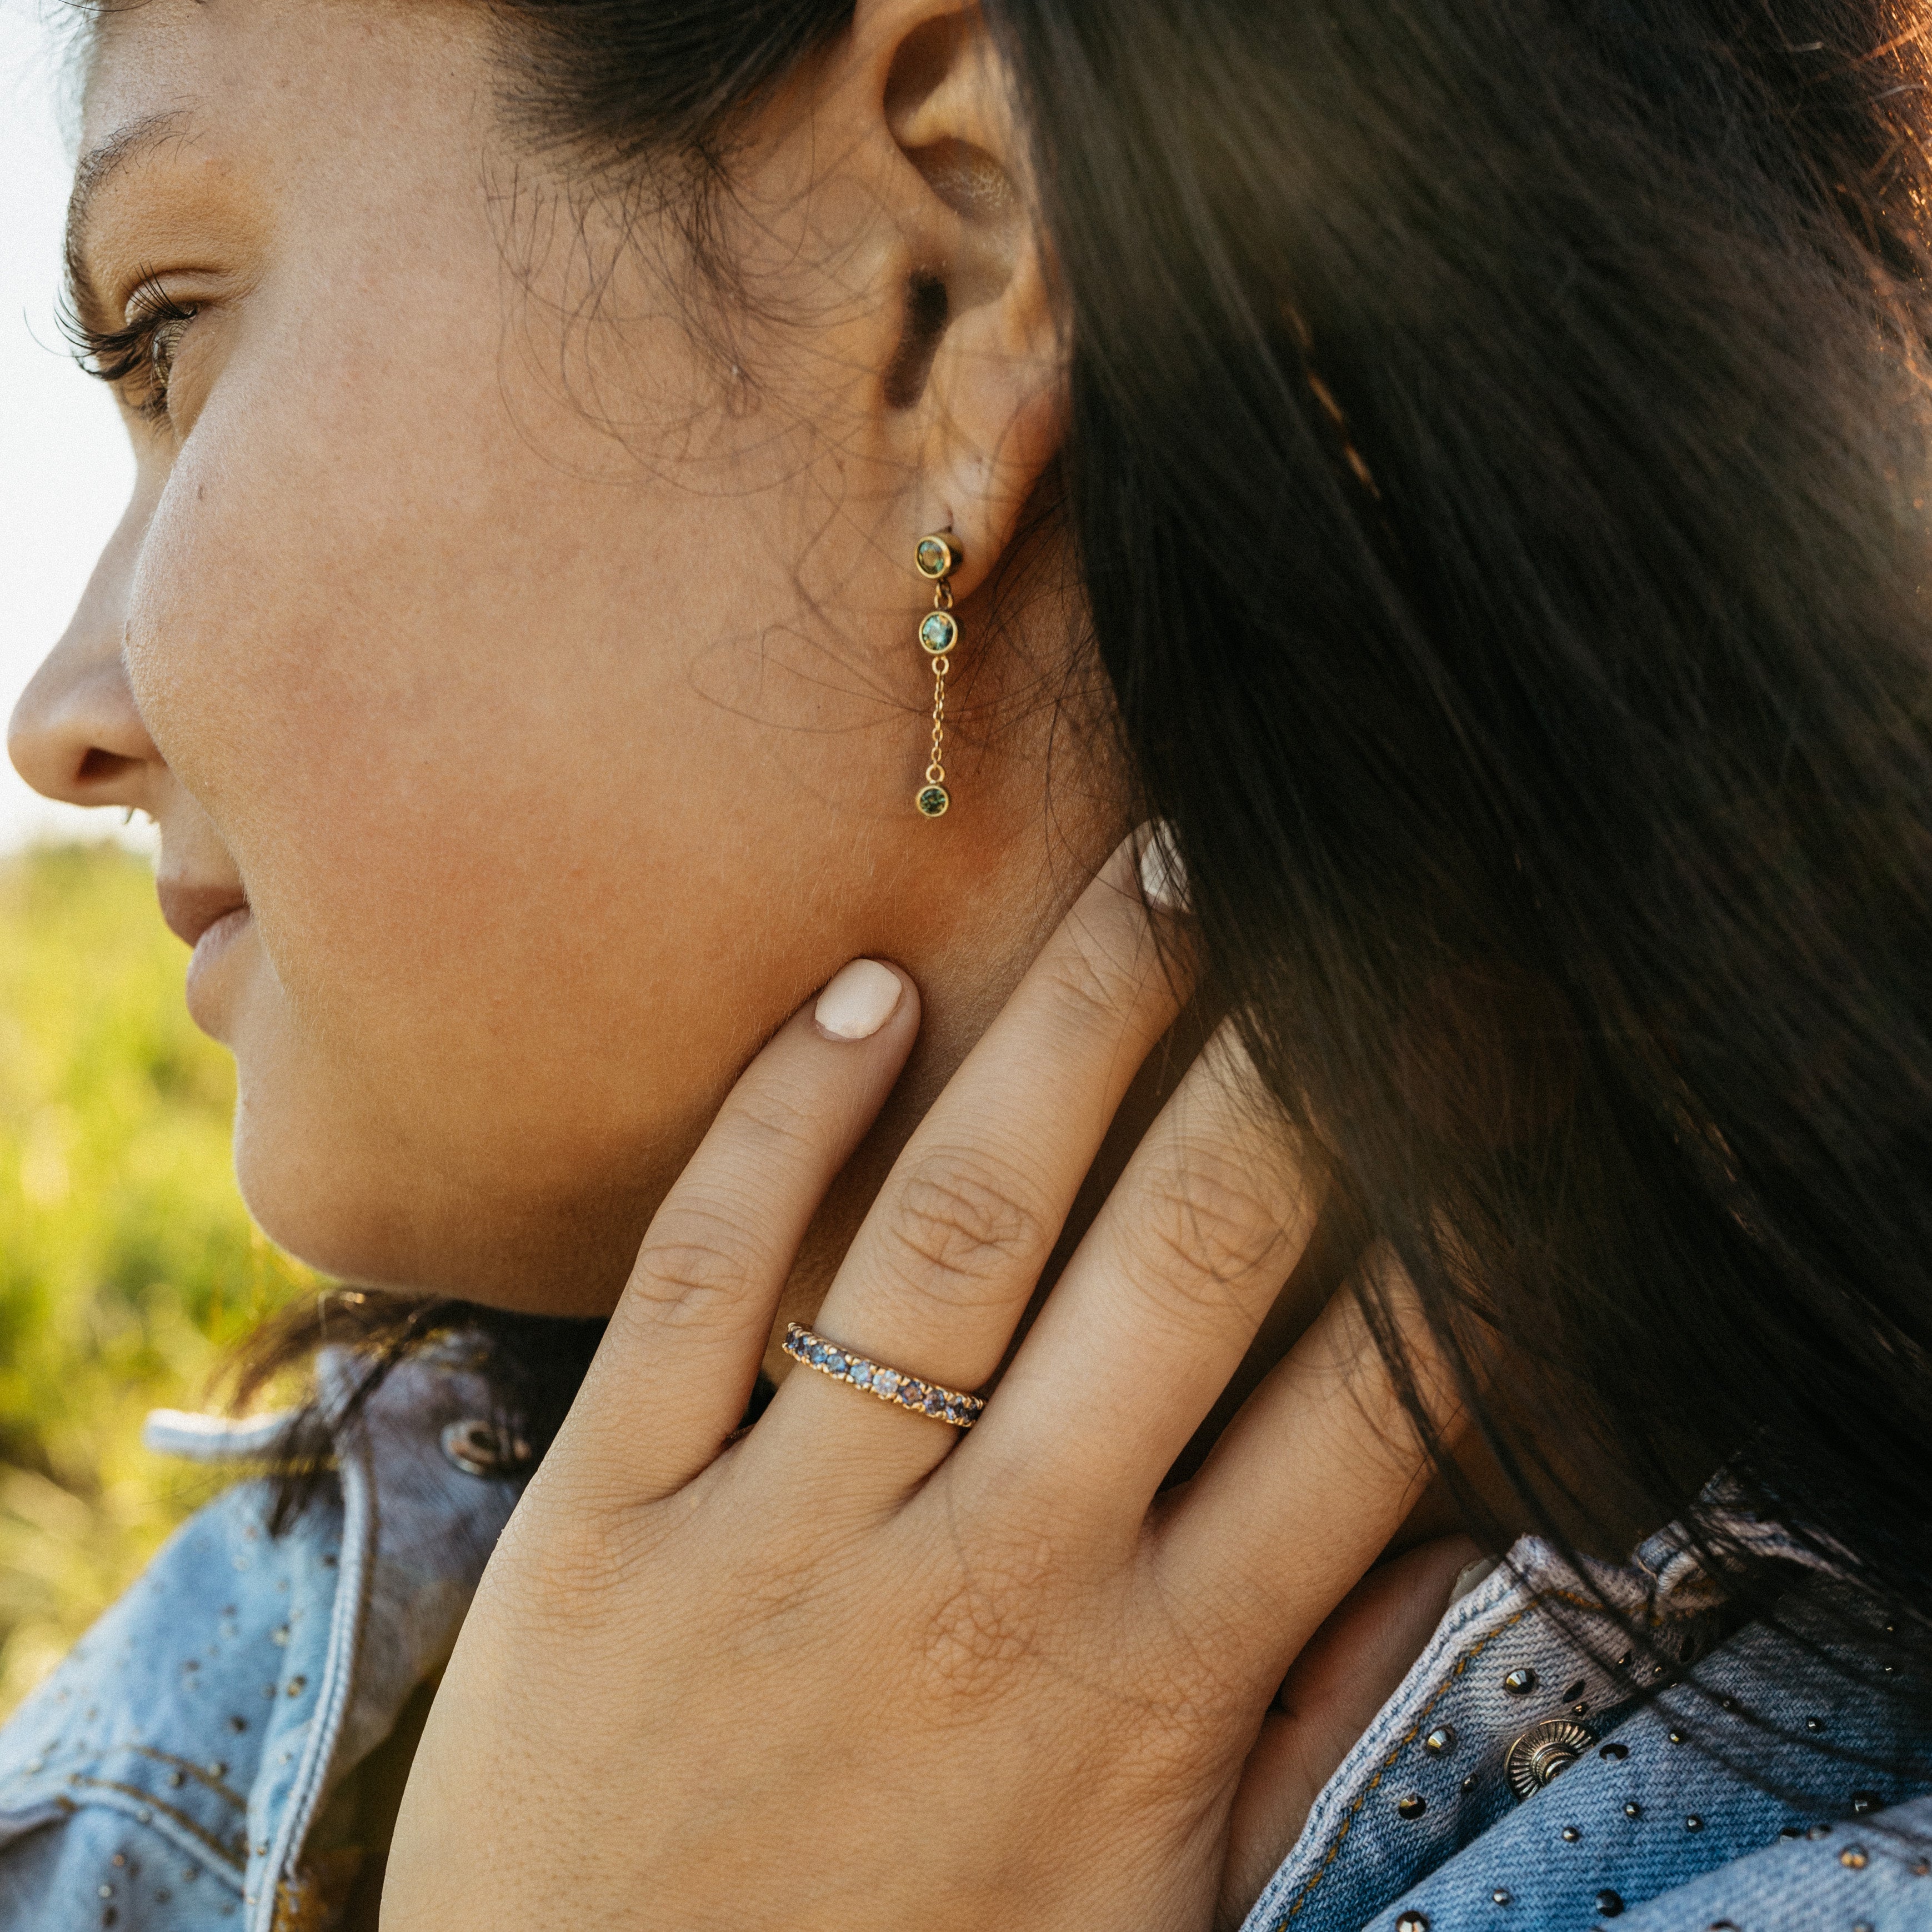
233	1855
302	1800
198	1773
1388	1763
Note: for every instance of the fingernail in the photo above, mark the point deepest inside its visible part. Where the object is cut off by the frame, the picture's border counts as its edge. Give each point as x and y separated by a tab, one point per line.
1469	1575
858	1000
1163	877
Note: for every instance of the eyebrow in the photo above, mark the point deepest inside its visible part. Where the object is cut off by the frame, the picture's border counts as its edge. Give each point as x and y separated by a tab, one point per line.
98	166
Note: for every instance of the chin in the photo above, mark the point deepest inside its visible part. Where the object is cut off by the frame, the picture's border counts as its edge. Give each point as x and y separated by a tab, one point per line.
401	1225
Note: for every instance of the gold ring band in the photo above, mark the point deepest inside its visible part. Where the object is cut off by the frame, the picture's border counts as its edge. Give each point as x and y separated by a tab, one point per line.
943	1404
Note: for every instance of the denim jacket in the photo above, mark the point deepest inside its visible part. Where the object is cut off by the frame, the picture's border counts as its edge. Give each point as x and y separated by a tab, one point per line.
170	1775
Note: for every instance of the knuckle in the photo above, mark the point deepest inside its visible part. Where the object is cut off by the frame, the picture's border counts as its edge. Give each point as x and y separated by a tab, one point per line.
779	1118
1181	1721
1200	1681
691	1273
1203	1227
983	1628
574	1553
962	1222
1098	972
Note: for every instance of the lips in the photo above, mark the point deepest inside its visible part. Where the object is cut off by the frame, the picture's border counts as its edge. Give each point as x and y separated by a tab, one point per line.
191	909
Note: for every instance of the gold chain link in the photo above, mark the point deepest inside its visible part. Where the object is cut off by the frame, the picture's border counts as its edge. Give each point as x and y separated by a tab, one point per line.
935	772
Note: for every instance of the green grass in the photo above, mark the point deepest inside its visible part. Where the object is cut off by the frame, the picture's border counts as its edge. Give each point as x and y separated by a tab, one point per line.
127	1264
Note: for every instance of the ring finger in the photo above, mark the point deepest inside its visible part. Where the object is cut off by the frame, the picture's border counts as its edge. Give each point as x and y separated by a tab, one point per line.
944	1266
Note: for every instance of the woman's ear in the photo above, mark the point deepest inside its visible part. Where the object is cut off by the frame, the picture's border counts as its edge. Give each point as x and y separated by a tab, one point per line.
977	377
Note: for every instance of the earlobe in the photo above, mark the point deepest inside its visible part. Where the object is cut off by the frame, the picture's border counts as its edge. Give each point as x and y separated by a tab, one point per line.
998	413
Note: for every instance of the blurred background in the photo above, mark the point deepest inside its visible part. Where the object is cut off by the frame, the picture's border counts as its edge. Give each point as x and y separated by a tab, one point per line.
127	1264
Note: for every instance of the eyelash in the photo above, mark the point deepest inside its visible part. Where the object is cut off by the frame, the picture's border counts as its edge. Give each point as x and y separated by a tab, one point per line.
138	358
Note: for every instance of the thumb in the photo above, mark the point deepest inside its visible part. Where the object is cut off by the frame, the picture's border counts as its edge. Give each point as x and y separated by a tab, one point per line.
1349	1670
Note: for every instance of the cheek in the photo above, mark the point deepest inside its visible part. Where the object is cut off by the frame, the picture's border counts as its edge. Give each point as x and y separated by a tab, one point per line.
497	833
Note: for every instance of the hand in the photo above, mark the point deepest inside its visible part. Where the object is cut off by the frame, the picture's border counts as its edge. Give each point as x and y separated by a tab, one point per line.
854	1670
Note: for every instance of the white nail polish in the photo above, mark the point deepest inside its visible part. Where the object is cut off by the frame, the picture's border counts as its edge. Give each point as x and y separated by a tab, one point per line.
1163	877
1469	1575
858	1000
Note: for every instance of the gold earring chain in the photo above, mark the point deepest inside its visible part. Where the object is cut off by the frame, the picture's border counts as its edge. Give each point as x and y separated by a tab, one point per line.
937	559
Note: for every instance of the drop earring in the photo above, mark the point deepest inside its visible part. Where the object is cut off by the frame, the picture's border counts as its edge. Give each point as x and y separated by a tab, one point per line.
936	558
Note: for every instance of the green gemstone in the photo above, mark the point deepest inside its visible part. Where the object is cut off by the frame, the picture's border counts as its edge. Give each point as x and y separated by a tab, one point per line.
939	633
932	800
934	559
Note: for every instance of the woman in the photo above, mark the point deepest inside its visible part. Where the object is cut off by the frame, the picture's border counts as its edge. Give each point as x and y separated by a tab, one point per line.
670	536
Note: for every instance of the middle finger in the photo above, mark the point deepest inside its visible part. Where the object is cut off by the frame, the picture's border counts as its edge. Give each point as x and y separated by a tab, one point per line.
1163	1298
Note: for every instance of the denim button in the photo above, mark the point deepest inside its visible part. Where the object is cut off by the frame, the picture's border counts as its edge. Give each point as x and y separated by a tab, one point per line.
478	1447
1544	1751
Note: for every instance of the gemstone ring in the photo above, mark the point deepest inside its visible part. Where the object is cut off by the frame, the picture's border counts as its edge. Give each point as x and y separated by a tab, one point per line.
943	1404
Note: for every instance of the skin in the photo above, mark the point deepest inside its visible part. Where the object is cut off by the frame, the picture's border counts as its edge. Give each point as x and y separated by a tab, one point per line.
515	649
851	1663
625	734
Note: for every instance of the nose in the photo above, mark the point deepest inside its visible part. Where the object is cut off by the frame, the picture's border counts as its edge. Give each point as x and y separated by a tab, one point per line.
75	733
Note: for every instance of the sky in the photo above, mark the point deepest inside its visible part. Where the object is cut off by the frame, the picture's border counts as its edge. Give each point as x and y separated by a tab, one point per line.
64	466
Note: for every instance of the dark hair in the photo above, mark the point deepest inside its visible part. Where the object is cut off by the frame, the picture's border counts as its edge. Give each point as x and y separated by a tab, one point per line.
1497	468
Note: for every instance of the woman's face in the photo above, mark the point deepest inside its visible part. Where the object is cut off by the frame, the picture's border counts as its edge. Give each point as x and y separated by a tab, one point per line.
515	645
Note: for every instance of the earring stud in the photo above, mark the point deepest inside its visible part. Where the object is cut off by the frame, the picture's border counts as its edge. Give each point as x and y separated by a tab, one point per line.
936	558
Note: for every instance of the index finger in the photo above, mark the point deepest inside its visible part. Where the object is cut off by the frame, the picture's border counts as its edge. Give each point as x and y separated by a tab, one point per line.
677	1363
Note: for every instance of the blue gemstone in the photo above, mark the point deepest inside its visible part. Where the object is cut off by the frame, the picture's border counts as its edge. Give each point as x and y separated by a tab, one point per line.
885	1381
934	1401
834	1361
861	1375
818	1352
